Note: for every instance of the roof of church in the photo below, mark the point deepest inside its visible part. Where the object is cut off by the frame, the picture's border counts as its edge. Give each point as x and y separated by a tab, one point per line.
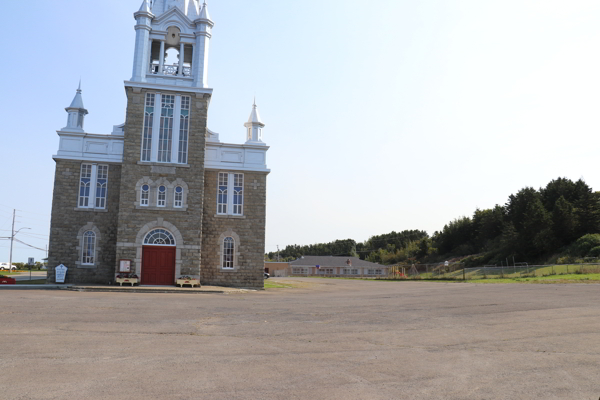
331	261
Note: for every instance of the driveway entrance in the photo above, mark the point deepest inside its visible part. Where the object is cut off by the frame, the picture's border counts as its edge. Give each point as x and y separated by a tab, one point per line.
158	265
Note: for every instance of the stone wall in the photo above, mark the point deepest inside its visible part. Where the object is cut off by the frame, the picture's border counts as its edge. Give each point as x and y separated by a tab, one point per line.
248	230
185	223
68	222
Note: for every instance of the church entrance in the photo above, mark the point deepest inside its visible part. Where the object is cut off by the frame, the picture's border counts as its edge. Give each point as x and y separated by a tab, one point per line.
158	258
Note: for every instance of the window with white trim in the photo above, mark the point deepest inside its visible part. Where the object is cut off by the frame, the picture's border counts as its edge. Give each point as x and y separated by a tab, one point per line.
299	271
85	183
184	126
350	271
162	196
148	125
375	272
88	248
93	186
222	197
230	194
101	186
228	253
166	127
178	203
145	196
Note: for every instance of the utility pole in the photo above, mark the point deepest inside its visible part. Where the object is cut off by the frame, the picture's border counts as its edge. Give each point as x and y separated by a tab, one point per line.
12	237
277	253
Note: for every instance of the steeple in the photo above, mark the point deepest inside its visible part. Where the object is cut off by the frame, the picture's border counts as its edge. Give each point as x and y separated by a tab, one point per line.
254	127
145	7
77	113
204	13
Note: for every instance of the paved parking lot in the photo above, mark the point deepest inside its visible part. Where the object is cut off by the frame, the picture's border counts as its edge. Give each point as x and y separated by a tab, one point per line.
326	339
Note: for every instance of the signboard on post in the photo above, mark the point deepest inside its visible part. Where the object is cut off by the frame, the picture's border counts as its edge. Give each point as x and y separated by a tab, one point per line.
125	266
30	261
60	273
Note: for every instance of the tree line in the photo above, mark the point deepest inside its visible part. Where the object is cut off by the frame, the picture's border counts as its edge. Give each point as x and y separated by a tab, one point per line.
531	226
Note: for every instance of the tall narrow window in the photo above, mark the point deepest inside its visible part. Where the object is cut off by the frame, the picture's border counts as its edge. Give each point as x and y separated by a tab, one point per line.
178	197
162	197
145	196
228	252
184	127
89	248
222	193
148	125
166	128
101	186
85	184
238	194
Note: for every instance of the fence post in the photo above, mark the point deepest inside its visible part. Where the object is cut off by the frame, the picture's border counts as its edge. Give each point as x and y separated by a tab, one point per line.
464	274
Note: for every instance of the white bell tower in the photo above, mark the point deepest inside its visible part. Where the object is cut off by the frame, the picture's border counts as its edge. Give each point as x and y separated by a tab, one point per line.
77	113
167	26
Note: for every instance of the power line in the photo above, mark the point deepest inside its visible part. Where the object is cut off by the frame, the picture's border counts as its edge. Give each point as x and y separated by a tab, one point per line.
37	248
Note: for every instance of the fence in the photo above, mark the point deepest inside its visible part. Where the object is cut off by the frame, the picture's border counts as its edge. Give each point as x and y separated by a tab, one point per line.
456	272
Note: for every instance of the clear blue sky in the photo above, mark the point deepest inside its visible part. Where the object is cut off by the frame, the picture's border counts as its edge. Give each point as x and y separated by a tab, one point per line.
381	115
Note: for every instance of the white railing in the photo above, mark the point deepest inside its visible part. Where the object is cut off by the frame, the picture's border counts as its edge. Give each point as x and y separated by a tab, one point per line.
172	70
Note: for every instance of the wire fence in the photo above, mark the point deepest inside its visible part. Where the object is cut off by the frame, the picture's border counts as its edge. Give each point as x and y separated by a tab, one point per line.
457	272
451	271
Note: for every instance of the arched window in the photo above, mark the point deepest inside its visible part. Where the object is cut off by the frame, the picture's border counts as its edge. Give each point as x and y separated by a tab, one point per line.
85	185
159	237
228	252
145	196
162	197
101	186
148	126
178	197
184	125
222	194
89	248
165	133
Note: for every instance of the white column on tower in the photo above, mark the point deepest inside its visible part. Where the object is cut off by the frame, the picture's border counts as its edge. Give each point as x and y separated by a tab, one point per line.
142	36
181	58
161	57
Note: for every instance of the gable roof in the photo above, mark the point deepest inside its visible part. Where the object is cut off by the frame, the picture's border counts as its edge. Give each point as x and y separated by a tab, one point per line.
330	261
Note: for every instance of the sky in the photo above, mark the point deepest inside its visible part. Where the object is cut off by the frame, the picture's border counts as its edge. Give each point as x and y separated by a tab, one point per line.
381	116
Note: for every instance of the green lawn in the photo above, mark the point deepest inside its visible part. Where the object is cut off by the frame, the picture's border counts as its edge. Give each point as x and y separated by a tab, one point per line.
570	278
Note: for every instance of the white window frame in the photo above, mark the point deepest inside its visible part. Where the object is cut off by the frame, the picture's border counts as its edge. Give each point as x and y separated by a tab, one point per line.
229	263
161	202
229	208
178	197
177	151
91	204
149	124
144	196
86	259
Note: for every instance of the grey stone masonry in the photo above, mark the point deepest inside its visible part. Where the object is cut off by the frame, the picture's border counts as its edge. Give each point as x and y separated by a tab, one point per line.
248	232
69	223
185	223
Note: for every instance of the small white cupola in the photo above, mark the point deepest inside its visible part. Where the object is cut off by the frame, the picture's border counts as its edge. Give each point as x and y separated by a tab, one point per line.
254	127
77	113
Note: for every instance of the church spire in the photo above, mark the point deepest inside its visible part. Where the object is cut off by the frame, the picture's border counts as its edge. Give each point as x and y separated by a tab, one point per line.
77	113
254	127
145	7
204	13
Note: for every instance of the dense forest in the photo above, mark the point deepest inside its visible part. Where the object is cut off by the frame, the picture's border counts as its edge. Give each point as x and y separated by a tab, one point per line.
561	220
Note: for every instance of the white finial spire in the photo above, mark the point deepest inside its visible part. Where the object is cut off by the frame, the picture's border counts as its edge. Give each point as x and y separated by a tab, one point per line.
145	7
77	113
254	127
204	13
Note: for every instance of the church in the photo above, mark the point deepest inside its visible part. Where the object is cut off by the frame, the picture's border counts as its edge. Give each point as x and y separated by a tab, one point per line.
161	196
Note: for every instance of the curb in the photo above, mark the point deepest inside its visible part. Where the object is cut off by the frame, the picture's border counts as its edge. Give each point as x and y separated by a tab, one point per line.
143	290
35	287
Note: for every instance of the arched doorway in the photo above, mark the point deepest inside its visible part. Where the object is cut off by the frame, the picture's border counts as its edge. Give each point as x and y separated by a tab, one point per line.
158	258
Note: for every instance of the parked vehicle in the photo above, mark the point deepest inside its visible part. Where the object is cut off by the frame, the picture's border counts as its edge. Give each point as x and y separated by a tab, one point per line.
267	276
4	267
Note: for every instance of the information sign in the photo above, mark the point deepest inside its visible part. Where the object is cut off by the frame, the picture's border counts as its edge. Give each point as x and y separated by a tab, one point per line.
31	261
125	266
61	273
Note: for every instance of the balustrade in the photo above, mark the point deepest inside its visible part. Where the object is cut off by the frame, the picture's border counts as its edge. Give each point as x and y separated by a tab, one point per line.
172	70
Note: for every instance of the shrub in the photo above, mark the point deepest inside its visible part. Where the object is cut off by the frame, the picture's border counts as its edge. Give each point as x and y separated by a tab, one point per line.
594	252
584	245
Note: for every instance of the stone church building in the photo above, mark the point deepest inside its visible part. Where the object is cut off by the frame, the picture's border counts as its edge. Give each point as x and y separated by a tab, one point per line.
161	192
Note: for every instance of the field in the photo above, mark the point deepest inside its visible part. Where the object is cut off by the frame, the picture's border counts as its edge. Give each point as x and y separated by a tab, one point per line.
301	338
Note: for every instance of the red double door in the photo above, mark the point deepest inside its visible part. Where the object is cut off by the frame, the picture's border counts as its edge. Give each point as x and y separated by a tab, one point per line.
158	265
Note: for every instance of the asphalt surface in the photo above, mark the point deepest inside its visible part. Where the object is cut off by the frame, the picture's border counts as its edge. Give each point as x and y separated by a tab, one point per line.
35	275
327	339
